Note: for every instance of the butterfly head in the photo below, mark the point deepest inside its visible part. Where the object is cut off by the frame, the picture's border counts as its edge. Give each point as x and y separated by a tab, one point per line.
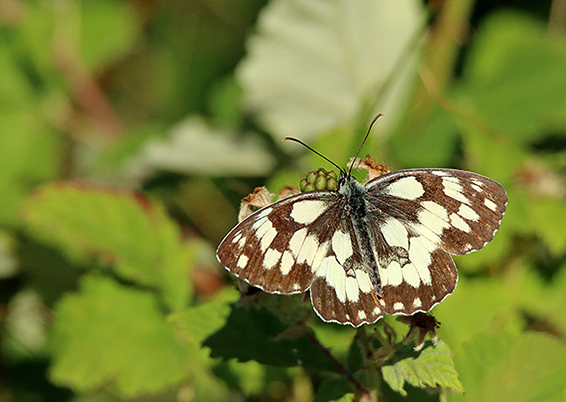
345	178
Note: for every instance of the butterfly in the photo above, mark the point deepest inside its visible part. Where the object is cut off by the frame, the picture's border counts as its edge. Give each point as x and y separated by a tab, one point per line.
370	249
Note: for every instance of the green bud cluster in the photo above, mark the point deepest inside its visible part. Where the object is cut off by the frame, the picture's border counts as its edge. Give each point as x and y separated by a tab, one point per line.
319	179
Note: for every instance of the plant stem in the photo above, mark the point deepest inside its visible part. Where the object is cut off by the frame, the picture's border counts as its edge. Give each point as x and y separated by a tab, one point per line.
313	339
370	363
341	368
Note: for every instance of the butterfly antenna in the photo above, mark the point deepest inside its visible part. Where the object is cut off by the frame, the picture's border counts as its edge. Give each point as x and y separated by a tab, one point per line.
316	152
363	142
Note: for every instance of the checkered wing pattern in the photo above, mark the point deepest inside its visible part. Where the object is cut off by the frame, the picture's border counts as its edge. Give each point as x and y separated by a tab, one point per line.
368	250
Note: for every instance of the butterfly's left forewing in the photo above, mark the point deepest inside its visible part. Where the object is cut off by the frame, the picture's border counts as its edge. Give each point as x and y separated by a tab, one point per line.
416	219
278	247
457	210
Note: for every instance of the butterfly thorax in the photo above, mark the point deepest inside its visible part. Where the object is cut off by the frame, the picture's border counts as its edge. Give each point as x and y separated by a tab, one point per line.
355	209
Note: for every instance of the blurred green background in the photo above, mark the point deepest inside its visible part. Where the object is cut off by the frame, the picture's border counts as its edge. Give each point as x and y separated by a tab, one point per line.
131	130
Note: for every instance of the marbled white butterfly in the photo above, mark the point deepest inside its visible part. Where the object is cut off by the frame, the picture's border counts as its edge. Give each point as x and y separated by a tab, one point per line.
370	249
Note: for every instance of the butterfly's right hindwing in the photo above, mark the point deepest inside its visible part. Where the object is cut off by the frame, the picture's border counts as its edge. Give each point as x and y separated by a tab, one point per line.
278	248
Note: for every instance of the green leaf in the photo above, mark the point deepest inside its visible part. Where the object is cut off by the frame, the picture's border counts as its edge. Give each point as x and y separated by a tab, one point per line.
339	339
225	103
124	229
431	145
491	154
199	322
257	334
311	67
514	77
107	333
335	389
526	368
29	149
548	218
8	260
15	89
483	303
433	367
553	307
109	29
250	377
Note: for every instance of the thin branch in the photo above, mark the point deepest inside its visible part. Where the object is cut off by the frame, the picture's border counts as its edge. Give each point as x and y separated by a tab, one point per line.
337	363
81	82
370	363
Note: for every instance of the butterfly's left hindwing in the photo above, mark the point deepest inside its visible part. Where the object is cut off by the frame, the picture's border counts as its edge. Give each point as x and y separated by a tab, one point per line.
276	247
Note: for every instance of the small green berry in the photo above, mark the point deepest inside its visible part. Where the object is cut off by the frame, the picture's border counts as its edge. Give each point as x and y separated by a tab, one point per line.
331	183
319	179
311	177
308	187
320	183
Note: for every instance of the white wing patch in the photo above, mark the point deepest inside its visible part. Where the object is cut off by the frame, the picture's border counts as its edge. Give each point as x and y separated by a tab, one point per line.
433	219
287	262
319	256
307	211
347	288
308	250
265	232
490	204
406	187
391	275
414	272
466	212
364	281
342	246
411	275
271	258
417	302
352	289
242	261
420	254
453	189
458	222
395	233
335	276
297	240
